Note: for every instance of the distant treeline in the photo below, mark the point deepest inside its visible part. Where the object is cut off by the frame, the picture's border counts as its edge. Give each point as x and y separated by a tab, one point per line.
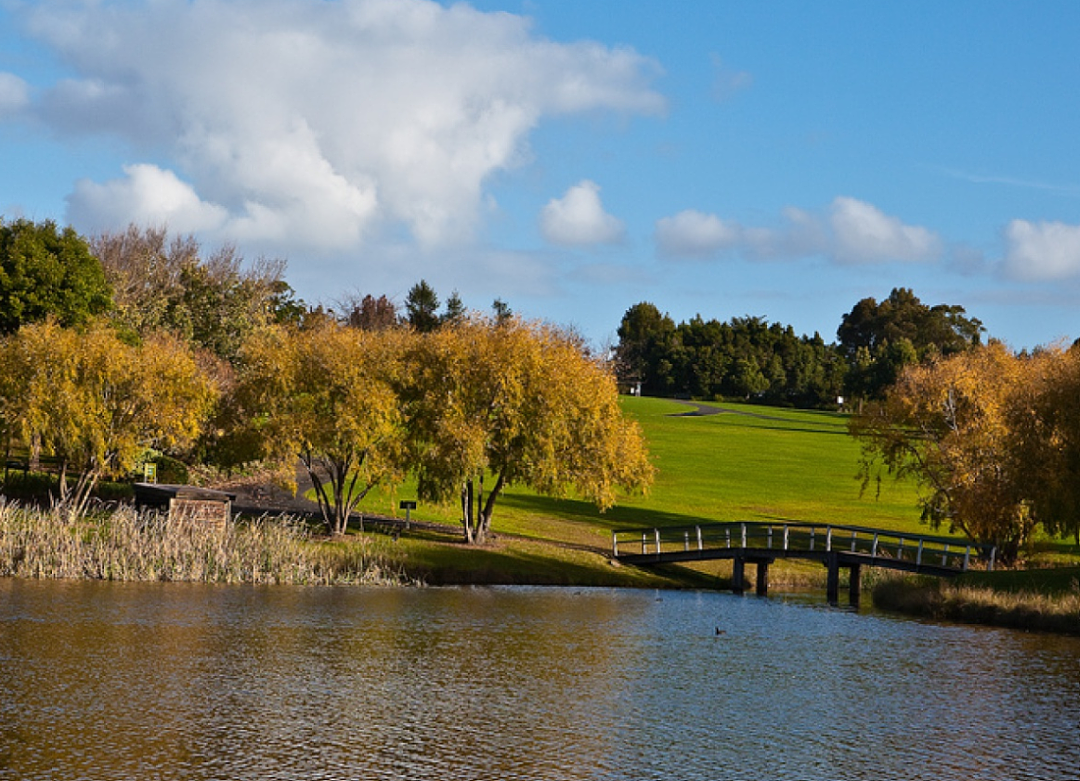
749	358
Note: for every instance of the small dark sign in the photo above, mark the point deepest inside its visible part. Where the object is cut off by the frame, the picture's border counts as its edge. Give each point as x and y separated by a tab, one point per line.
407	505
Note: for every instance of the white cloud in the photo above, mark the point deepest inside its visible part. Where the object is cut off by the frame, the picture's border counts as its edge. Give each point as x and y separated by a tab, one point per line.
146	195
1042	251
323	121
853	232
579	219
14	94
691	233
864	234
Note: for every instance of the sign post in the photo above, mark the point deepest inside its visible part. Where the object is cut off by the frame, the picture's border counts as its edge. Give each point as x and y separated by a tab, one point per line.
407	506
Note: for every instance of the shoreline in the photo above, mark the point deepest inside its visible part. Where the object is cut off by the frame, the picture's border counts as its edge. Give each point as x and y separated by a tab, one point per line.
971	602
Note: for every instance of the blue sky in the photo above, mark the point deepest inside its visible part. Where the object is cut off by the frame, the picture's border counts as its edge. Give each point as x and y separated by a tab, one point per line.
781	159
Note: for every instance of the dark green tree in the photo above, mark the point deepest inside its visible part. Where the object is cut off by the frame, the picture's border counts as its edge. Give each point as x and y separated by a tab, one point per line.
455	310
45	271
878	339
422	307
502	311
646	349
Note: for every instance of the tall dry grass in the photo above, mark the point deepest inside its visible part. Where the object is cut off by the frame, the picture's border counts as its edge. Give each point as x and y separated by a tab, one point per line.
130	545
933	598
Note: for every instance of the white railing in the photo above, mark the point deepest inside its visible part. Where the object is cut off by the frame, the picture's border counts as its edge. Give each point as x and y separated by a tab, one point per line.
792	537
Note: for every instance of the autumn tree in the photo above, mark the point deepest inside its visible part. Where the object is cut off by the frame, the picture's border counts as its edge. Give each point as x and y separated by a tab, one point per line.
950	424
48	272
97	402
1046	434
371	313
327	396
519	404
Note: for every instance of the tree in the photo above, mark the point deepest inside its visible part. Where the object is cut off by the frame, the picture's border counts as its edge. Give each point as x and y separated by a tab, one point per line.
96	402
46	272
213	302
372	314
1047	438
326	396
950	425
501	311
643	355
519	403
871	329
455	310
421	308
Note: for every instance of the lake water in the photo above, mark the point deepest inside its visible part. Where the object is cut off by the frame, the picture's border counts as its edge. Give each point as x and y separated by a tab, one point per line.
174	681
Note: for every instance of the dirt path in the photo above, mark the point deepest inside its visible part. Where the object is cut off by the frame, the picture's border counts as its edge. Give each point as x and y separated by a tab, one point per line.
702	409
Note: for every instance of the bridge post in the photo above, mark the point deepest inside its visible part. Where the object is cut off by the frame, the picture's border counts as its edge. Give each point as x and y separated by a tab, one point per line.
762	589
832	583
853	584
738	573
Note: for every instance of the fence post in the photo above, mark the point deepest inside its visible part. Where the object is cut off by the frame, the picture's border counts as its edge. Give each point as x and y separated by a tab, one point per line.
699	545
812	532
785	536
873	548
945	557
828	539
918	556
744	536
657	541
686	540
770	536
614	545
854	537
644	544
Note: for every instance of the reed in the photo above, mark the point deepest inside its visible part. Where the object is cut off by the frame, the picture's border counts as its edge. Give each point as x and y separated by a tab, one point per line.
129	545
932	598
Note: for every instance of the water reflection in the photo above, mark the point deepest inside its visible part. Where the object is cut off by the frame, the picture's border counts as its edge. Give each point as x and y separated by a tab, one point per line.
104	681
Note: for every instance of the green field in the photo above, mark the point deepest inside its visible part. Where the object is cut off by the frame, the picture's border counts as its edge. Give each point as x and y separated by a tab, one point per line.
753	463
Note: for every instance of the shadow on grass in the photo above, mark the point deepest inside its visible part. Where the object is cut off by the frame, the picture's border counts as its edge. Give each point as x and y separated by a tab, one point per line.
577	510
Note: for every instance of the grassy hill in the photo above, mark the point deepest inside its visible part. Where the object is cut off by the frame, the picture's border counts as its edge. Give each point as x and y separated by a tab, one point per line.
746	463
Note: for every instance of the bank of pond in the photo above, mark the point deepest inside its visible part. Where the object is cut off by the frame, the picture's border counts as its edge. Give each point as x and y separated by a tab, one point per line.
125	544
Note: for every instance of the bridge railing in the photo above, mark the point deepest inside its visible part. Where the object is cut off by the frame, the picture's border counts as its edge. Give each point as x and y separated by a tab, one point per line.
799	537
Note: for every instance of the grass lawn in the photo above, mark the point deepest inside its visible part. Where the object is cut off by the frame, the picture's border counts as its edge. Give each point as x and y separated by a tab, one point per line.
756	463
750	463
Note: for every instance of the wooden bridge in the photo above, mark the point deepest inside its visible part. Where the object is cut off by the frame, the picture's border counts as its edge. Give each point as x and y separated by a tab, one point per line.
762	543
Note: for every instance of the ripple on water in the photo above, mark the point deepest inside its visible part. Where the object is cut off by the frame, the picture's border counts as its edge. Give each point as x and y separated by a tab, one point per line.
105	681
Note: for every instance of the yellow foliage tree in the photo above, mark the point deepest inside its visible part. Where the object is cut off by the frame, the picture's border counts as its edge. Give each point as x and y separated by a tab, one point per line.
1047	438
964	428
519	402
327	396
96	402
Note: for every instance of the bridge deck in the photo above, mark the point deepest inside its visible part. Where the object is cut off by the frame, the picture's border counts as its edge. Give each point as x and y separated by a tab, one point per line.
761	543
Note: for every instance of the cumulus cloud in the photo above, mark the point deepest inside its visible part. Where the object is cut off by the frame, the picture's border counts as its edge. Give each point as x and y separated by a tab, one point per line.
1042	251
318	121
579	219
865	234
852	232
146	195
691	233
